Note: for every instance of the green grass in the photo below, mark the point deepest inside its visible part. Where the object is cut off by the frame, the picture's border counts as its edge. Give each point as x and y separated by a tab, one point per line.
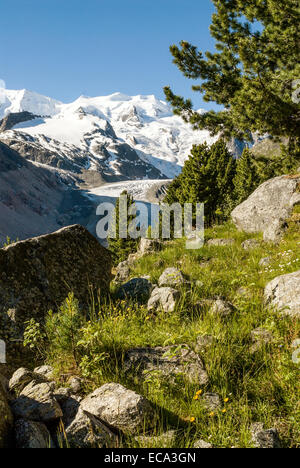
259	387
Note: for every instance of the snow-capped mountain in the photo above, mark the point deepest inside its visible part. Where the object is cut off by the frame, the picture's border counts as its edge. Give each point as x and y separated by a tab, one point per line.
119	137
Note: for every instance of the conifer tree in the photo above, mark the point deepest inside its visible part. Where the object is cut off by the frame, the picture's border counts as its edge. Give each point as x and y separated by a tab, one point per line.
254	73
246	179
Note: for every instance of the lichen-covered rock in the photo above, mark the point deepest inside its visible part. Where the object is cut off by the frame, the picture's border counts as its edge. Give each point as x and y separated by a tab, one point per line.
262	438
222	308
37	403
166	298
269	207
122	272
32	435
137	288
22	377
283	293
46	371
170	361
220	242
119	407
6	420
171	277
86	431
37	274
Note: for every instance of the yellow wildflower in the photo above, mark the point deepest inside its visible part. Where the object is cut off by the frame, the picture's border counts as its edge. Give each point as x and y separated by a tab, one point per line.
192	419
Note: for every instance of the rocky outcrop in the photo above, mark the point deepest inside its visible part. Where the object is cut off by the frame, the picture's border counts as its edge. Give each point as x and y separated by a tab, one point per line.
283	293
269	207
120	408
169	361
36	275
15	118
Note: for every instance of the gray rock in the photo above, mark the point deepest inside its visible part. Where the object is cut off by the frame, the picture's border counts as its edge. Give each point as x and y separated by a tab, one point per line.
37	403
201	444
264	438
283	293
220	242
6	420
137	288
260	337
70	408
22	377
32	435
120	408
86	431
268	208
75	384
251	244
265	261
122	272
165	440
212	401
46	371
62	394
170	361
164	298
171	277
149	246
222	308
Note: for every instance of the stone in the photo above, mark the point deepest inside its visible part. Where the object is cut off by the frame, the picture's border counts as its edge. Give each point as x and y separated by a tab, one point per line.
37	403
165	298
122	272
137	288
283	293
38	274
6	421
86	431
260	337
70	408
265	261
220	242
22	377
120	408
149	246
251	244
165	440
46	371
201	444
264	438
62	394
75	384
269	207
212	401
170	361
171	277
222	308
32	435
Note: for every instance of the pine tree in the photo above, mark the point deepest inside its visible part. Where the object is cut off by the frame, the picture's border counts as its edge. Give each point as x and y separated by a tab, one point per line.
253	73
246	179
119	246
206	177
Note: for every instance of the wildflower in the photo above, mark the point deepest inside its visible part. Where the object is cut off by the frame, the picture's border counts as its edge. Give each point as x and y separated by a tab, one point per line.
196	397
199	392
226	400
192	419
224	410
211	414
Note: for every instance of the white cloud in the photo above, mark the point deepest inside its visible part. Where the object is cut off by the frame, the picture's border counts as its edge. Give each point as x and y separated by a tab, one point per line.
2	84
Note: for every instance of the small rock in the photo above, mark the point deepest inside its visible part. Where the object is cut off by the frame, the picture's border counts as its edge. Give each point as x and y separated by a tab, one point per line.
46	371
212	401
201	444
37	403
32	435
119	407
149	245
265	261
264	438
75	384
251	244
122	272
260	337
137	288
62	394
222	308
220	242
22	377
165	298
86	431
171	277
170	361
283	293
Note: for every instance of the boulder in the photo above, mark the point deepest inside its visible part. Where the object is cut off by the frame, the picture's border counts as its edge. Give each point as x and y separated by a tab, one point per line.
70	408
165	298
38	274
170	361
120	408
220	242
171	277
137	288
46	371
32	435
37	403
86	431
283	293
264	438
269	207
6	421
22	377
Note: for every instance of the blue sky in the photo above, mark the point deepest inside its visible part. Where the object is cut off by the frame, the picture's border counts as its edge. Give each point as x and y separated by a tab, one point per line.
65	48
